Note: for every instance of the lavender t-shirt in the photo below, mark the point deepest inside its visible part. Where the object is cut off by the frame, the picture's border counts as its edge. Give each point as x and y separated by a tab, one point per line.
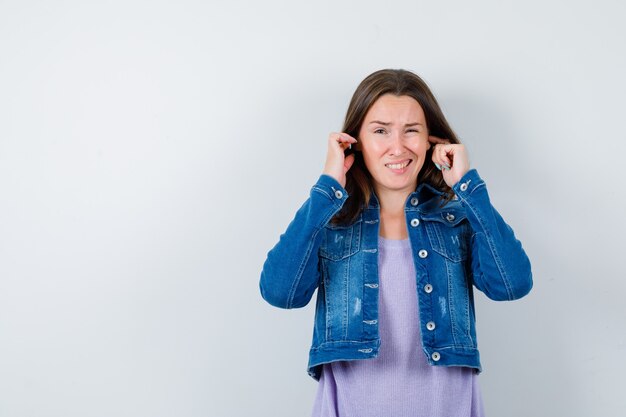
398	382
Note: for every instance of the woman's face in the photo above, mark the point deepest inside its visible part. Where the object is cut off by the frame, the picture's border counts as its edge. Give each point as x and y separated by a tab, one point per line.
394	140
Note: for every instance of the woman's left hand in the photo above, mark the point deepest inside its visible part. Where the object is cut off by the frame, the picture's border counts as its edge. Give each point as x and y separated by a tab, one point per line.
450	158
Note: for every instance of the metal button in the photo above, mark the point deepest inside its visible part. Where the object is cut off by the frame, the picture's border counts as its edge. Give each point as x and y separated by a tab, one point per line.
436	356
415	222
430	325
423	253
463	186
428	288
338	194
450	217
414	201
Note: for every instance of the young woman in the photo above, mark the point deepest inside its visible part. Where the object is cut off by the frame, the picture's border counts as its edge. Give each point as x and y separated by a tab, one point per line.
394	236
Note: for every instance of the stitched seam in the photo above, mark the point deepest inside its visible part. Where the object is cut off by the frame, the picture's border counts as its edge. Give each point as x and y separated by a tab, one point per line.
454	347
328	306
321	190
482	184
451	306
496	258
334	342
307	255
468	322
345	313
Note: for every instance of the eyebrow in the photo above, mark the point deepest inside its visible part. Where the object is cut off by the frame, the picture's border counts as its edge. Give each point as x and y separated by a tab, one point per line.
388	123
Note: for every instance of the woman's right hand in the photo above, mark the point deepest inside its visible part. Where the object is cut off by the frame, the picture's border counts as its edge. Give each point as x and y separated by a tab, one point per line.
337	164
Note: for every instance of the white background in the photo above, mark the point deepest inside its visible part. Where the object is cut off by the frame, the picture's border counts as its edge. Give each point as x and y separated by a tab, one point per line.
152	152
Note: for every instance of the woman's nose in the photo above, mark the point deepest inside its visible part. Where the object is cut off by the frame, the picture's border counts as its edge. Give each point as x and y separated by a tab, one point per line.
396	145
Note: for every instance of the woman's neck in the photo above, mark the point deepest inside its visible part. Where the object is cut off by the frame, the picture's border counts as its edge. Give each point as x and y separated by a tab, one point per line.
392	217
392	201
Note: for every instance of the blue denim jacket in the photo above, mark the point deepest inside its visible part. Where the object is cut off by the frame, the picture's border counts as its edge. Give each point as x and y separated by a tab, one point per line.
463	244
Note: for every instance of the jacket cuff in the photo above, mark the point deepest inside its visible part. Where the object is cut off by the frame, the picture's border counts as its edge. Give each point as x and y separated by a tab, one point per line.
468	184
331	189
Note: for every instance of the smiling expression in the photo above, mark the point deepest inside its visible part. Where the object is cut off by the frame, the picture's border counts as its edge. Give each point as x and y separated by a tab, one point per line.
394	140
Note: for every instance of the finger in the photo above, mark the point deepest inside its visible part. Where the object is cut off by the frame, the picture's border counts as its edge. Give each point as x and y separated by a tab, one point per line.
435	139
440	157
345	138
348	137
445	155
341	138
434	157
336	142
334	137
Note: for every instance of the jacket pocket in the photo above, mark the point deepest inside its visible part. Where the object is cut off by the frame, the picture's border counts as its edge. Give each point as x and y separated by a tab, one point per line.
340	242
449	233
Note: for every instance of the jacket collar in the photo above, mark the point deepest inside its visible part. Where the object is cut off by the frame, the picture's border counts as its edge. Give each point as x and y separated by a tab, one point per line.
423	192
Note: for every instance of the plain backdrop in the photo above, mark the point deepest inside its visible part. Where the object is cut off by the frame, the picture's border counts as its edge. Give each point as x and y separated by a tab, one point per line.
152	152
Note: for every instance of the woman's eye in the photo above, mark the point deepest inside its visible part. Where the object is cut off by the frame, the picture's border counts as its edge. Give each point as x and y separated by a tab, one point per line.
413	130
379	131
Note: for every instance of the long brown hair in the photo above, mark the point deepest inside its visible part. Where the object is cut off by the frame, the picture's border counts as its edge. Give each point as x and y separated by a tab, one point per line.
400	83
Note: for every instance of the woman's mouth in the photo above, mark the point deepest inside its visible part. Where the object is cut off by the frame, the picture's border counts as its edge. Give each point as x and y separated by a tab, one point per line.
399	167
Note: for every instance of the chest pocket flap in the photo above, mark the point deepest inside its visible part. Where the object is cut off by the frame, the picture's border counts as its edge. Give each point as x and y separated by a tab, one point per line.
449	232
340	241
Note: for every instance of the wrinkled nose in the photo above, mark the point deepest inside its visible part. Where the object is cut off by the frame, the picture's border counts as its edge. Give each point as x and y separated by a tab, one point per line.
396	146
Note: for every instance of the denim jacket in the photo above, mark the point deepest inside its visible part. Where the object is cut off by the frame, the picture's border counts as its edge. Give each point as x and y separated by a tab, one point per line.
455	247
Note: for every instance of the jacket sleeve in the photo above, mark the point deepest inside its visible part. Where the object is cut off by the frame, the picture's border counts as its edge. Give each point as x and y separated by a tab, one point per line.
290	273
501	269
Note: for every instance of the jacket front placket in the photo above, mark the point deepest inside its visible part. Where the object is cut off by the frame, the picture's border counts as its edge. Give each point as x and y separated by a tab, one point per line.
371	225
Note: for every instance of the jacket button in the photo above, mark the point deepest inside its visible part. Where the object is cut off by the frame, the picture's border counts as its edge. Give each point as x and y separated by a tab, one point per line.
338	194
463	186
430	325
423	253
414	201
450	217
428	288
415	222
436	356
